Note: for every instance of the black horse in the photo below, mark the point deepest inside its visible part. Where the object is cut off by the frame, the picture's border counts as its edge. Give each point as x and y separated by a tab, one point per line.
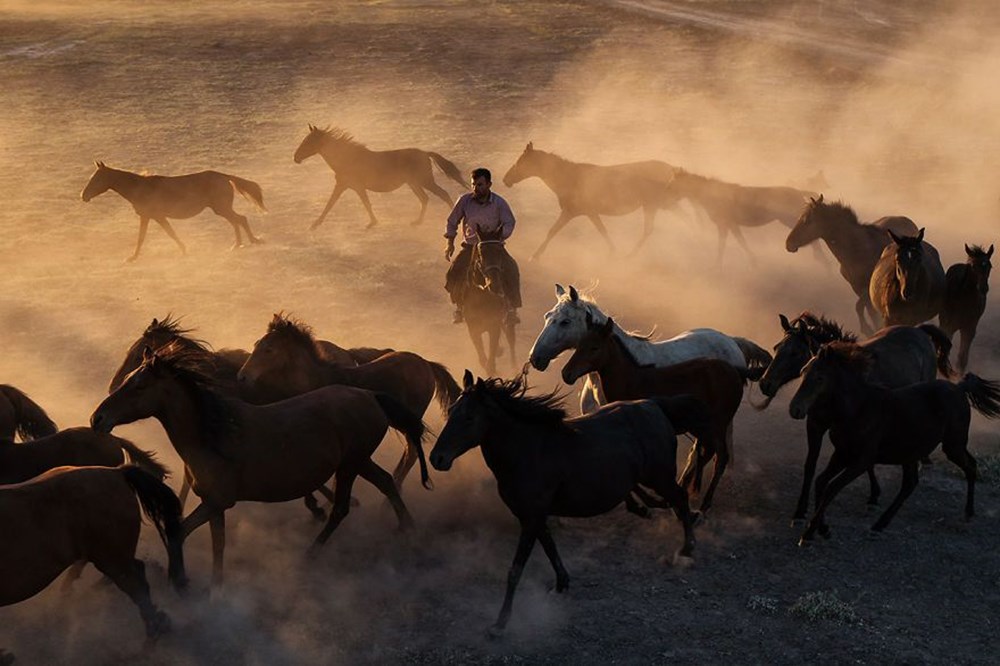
965	298
484	304
547	465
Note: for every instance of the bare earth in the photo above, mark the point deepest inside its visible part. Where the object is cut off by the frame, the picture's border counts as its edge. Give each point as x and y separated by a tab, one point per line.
894	101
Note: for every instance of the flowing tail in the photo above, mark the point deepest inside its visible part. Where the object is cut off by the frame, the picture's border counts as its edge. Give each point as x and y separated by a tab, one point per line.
983	395
250	191
408	423
144	459
446	389
30	420
449	168
163	508
362	355
757	358
942	345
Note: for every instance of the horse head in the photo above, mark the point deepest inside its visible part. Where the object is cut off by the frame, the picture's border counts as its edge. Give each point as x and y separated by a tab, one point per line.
979	263
138	397
526	166
565	325
488	260
593	351
468	423
806	228
282	363
310	145
909	259
790	355
829	372
99	183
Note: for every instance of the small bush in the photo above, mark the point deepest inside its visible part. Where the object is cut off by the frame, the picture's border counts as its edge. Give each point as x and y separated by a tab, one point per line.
766	605
816	606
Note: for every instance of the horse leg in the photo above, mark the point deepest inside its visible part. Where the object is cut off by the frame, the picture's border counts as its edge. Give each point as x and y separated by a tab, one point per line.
910	477
956	451
964	345
72	575
689	467
405	464
477	342
143	226
241	221
814	437
341	506
721	461
493	336
130	578
875	490
529	532
186	483
678	499
162	221
738	235
723	234
860	307
381	479
599	225
835	470
511	335
634	506
313	505
561	221
363	195
338	190
422	196
217	525
562	576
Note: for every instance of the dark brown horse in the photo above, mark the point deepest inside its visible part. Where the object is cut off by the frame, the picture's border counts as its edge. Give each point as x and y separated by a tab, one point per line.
875	425
716	383
22	416
484	306
908	282
856	246
284	363
730	206
594	190
271	453
158	198
69	513
548	465
358	168
902	355
965	298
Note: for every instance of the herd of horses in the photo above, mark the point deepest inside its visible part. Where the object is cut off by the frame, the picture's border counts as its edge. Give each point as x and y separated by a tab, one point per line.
281	421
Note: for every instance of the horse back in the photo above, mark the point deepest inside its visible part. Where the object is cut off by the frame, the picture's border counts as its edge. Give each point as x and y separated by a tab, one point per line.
716	383
78	447
904	355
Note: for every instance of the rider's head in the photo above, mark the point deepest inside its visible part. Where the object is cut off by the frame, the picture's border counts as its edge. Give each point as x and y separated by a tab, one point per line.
482	180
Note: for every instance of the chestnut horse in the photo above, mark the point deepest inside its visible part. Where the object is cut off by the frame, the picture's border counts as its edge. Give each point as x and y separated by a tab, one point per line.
716	383
71	513
484	304
908	282
179	197
239	452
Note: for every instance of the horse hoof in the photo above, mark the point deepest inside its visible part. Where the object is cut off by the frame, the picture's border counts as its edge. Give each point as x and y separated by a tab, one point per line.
158	625
129	260
875	532
319	515
697	518
682	561
804	541
495	632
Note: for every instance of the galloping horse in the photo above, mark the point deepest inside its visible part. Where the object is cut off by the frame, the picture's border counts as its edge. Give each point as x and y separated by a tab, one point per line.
22	416
484	304
965	298
716	383
358	168
546	464
908	282
902	355
594	190
180	197
566	324
856	246
71	514
271	453
284	363
875	425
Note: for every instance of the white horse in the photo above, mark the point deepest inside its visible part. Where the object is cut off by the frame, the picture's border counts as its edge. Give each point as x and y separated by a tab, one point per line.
566	323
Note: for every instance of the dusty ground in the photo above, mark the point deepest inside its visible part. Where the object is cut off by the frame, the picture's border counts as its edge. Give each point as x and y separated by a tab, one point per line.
894	101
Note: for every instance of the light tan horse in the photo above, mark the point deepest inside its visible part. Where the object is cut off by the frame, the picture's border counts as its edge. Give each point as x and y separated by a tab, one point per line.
271	453
179	197
88	513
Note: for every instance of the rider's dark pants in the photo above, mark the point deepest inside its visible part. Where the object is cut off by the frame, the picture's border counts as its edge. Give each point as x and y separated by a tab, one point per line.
457	277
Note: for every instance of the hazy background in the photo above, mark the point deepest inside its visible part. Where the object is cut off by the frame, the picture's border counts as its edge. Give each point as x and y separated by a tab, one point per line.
894	102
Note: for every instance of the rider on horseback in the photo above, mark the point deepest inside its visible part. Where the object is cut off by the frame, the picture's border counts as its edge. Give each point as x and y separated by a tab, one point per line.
480	210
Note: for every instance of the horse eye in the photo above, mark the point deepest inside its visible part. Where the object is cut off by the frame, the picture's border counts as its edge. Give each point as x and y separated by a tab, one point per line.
564	323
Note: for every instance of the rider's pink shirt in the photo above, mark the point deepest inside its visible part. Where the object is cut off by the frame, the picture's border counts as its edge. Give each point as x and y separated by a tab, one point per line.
489	215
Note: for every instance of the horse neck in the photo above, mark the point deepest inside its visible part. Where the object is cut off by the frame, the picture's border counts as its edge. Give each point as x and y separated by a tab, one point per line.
849	394
338	153
641	350
618	373
125	183
558	173
504	444
182	420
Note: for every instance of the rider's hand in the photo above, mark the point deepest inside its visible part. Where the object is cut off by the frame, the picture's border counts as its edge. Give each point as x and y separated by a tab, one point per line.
449	250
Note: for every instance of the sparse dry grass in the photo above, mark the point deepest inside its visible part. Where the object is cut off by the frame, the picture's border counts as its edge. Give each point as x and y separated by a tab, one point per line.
825	606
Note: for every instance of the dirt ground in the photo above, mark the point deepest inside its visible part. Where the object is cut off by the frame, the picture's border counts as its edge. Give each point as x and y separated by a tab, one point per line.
894	102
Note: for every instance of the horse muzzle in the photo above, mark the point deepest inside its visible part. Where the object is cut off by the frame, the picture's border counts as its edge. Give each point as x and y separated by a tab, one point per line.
101	423
569	377
440	461
797	411
538	363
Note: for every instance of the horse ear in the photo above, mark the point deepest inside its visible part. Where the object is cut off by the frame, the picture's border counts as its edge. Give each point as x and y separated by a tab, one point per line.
989	253
559	290
820	200
920	235
480	383
608	327
894	237
530	147
154	323
312	128
967	250
467	380
785	325
573	295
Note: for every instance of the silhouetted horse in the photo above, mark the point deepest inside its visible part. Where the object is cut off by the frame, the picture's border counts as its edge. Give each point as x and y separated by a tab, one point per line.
358	168
285	363
89	513
548	465
856	246
484	305
908	282
716	383
965	298
22	416
875	425
730	206
594	190
271	453
179	197
901	355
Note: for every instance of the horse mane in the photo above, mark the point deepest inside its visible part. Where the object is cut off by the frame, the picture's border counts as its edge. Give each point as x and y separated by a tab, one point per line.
823	329
294	331
590	305
193	368
170	326
341	136
545	409
838	207
977	251
853	355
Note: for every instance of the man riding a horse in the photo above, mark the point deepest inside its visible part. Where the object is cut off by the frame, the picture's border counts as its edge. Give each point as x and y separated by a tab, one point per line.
480	211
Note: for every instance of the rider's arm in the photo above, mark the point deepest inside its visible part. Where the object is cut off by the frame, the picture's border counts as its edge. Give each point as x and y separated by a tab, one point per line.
456	216
506	220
